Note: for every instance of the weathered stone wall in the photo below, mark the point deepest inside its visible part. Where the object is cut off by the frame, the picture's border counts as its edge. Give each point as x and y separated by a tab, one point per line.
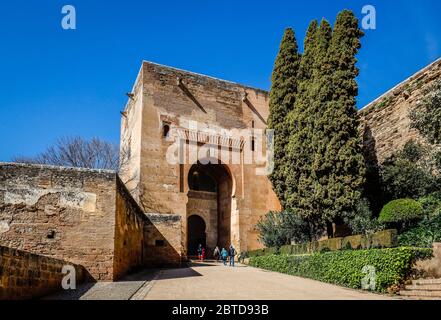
175	97
129	232
432	267
163	241
87	217
385	121
24	275
63	213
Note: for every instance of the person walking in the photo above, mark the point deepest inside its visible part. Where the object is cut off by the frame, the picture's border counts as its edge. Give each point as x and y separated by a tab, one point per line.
232	253
216	254
224	255
203	254
200	251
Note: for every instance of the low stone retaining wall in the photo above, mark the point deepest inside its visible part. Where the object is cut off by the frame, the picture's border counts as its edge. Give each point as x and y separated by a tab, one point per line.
24	275
382	239
431	268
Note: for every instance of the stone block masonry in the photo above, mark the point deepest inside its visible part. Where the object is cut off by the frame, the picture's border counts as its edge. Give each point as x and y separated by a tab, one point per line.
385	121
24	275
163	240
86	217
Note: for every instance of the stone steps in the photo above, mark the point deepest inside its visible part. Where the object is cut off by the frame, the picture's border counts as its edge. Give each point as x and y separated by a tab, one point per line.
426	281
422	289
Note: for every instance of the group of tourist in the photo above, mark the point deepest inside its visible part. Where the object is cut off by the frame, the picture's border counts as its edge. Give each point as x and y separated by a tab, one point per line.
219	254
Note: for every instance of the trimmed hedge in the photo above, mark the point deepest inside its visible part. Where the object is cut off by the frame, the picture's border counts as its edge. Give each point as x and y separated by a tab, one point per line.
401	210
381	239
392	265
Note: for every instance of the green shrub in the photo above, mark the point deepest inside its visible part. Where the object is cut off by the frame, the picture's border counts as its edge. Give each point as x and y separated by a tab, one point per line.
362	222
401	213
424	235
392	265
256	253
409	173
277	229
431	204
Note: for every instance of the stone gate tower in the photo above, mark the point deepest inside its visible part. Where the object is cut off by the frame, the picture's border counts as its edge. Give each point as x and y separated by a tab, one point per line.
220	194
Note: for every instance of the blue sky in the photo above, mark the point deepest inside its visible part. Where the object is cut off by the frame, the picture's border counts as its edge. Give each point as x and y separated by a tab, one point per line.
55	82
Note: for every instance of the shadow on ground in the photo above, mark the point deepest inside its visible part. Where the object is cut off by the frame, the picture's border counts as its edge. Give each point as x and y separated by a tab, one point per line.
123	289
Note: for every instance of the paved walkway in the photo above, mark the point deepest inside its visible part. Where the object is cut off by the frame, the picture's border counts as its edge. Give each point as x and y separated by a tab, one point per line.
131	287
213	281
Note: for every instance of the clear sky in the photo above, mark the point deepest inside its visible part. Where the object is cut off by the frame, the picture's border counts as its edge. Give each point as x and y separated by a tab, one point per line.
56	82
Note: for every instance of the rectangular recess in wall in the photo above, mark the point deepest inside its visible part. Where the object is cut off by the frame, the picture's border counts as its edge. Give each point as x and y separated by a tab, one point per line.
181	177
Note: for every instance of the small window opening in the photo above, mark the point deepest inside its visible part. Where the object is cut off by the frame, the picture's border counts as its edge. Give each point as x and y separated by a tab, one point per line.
159	243
165	130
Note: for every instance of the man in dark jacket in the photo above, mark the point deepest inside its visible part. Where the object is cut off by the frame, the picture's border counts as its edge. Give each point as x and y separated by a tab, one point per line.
232	253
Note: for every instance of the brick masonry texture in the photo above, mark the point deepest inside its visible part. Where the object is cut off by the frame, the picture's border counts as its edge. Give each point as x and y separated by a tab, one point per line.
24	275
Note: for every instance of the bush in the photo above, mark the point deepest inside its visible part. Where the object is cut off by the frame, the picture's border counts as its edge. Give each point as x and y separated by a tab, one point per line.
280	228
431	204
401	213
409	173
424	235
363	222
392	265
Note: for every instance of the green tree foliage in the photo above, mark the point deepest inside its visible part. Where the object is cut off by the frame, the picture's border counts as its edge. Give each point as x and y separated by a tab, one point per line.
424	235
296	157
410	173
338	168
280	228
401	213
282	98
363	221
426	116
301	122
320	173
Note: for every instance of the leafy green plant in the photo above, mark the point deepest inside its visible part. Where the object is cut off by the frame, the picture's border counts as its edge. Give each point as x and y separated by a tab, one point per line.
409	173
280	228
401	213
362	222
392	265
431	204
424	235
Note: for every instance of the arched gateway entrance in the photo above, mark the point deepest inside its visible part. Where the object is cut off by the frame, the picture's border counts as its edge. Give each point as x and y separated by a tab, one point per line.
196	234
209	201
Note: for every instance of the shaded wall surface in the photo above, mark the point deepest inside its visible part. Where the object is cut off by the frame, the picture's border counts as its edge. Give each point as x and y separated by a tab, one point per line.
27	276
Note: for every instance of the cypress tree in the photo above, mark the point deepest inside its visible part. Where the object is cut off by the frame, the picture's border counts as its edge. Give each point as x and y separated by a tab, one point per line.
282	98
338	169
296	154
302	149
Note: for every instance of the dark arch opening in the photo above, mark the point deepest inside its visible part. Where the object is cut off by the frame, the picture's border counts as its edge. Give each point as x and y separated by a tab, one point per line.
196	234
165	130
200	180
214	178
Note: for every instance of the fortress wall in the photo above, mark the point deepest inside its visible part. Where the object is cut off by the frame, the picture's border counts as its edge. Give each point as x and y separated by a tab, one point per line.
385	123
86	217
